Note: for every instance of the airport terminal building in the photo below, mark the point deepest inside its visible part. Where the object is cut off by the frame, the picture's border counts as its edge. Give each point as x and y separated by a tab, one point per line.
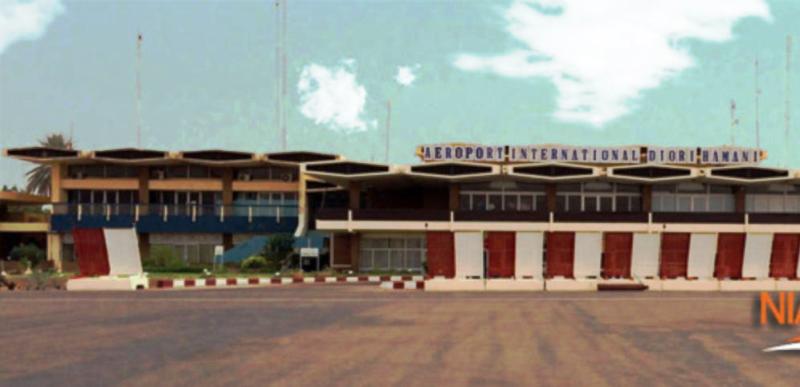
464	211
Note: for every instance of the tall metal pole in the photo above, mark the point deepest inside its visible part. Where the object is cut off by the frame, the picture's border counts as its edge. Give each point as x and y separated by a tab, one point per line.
787	101
388	127
734	122
139	90
284	79
758	116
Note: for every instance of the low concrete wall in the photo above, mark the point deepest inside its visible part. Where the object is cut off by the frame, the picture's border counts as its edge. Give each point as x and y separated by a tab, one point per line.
747	285
787	285
570	285
107	283
704	285
449	285
515	285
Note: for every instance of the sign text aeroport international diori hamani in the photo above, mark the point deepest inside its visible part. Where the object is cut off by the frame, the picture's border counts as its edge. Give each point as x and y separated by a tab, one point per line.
629	154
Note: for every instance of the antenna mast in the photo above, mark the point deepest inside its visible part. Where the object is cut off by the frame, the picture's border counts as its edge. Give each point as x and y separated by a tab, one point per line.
388	126
788	91
281	82
139	90
734	122
758	95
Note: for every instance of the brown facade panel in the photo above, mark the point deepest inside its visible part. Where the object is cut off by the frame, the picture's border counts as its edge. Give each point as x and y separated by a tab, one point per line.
441	255
785	250
730	255
674	254
500	246
341	250
560	254
617	251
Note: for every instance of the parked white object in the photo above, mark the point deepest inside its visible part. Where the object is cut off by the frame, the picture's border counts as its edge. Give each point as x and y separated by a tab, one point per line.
469	254
757	254
588	254
702	255
528	260
645	255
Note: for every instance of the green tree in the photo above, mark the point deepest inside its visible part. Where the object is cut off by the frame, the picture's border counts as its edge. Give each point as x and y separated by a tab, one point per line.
278	250
39	176
30	253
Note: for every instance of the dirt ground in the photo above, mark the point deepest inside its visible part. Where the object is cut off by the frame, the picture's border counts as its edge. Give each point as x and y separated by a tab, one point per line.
361	335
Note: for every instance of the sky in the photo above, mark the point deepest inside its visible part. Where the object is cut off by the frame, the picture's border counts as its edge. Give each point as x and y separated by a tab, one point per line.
492	72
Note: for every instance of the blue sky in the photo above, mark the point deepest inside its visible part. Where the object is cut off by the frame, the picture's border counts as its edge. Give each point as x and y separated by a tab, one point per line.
505	72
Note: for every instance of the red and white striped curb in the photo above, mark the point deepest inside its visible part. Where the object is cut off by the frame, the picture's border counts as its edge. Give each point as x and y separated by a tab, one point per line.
404	285
262	281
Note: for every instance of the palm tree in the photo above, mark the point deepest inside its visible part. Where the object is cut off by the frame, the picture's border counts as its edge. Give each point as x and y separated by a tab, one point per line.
39	176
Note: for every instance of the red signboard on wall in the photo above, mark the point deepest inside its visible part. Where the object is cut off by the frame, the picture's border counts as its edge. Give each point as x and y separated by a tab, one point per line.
617	249
674	254
560	254
441	254
501	249
730	255
90	249
785	250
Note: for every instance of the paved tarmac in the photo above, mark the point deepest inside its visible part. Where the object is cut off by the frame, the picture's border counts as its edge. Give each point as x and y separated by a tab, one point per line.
361	335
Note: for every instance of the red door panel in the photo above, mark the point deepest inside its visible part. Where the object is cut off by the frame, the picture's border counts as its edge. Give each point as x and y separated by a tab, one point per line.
560	254
674	254
617	249
341	250
90	249
441	254
730	255
501	249
785	249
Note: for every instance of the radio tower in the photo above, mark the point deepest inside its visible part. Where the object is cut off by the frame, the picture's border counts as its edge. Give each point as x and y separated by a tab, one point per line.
281	84
139	90
758	95
388	126
734	122
787	101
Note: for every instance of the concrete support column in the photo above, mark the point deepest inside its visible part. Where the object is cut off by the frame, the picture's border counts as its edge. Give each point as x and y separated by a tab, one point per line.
355	250
740	198
54	250
227	187
455	191
354	196
144	245
227	241
57	173
144	185
550	192
647	198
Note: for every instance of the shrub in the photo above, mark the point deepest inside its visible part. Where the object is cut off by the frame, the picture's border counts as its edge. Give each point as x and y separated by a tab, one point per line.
254	263
29	252
278	250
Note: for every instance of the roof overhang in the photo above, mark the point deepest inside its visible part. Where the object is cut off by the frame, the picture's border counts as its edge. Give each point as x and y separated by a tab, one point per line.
749	174
455	171
553	172
42	155
342	172
652	173
22	198
299	157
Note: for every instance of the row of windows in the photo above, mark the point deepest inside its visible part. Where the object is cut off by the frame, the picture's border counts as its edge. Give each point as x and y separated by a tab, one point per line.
396	252
502	201
180	172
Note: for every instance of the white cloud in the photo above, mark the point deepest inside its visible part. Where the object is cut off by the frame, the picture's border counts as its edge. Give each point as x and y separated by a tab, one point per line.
333	97
602	54
405	75
25	20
